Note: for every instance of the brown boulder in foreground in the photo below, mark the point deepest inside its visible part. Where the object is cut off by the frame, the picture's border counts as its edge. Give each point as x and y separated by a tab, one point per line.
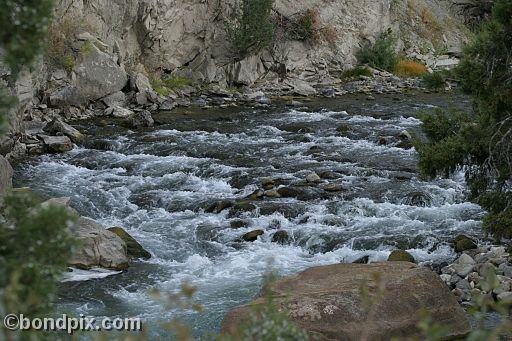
327	302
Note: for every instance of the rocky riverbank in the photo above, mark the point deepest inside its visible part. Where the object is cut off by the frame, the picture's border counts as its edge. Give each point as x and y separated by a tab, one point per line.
46	131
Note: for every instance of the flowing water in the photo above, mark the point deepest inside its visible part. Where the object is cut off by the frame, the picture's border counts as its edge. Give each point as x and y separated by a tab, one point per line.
157	182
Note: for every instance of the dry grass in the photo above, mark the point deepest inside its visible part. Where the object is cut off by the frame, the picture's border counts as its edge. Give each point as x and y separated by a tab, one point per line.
409	68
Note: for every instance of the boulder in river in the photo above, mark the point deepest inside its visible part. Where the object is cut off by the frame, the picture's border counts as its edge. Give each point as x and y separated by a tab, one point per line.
401	256
464	243
134	249
98	247
327	302
313	178
288	192
241	207
58	126
281	237
253	235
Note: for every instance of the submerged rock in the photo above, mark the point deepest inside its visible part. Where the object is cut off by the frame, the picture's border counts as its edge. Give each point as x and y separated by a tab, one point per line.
238	223
257	194
362	260
240	208
133	247
401	256
333	188
98	247
219	206
272	193
420	199
281	237
327	302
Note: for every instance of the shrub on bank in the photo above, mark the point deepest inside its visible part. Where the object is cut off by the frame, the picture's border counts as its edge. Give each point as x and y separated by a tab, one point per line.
307	27
358	71
381	54
481	142
251	27
167	84
435	80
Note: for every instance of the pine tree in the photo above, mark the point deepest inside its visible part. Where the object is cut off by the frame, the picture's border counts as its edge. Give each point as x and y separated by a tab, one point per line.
480	142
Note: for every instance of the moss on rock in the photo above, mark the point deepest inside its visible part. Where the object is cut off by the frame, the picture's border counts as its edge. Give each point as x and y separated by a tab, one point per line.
401	256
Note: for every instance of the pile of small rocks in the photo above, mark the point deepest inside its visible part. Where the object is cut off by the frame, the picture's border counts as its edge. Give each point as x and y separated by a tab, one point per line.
474	272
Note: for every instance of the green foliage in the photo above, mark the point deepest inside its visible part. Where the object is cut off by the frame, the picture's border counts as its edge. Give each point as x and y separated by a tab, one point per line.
168	84
6	103
34	248
251	27
475	12
434	80
24	28
358	71
381	54
176	82
481	143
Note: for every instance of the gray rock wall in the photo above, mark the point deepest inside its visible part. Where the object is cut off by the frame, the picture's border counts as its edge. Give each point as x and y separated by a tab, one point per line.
188	35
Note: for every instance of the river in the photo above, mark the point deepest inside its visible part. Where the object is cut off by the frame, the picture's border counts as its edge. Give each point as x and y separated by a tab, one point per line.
157	182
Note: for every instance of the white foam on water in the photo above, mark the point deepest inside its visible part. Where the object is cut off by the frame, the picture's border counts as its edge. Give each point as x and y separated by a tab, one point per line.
77	275
160	200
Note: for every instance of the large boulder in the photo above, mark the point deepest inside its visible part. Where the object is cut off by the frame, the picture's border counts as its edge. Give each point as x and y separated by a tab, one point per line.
58	126
5	175
96	75
328	302
98	247
134	249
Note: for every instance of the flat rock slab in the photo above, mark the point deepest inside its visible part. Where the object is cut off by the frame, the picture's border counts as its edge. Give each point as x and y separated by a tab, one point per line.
57	144
327	302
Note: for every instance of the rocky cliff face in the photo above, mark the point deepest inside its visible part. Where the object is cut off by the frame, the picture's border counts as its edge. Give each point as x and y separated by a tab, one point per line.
187	36
100	50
